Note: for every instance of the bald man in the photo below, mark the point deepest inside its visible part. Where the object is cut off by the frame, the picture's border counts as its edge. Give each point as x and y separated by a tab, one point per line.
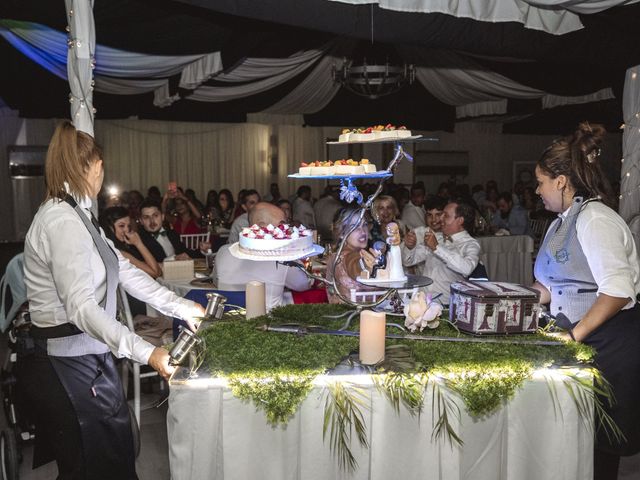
233	273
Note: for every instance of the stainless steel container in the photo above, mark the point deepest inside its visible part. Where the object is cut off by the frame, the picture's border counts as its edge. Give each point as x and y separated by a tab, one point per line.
215	306
185	342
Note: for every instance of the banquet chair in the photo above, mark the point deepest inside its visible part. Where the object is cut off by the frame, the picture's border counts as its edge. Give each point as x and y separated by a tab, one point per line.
129	365
193	241
538	228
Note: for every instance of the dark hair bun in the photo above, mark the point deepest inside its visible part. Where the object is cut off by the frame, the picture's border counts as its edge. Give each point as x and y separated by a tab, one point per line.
588	137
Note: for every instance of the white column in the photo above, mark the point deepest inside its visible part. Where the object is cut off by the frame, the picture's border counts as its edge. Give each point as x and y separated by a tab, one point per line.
80	62
630	171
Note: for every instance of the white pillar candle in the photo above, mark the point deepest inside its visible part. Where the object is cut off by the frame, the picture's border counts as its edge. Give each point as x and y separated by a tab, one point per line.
372	333
255	299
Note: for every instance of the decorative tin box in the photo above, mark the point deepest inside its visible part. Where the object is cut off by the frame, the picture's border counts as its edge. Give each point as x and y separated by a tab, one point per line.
494	307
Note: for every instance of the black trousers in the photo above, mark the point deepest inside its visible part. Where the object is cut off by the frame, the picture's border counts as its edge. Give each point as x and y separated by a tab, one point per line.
81	416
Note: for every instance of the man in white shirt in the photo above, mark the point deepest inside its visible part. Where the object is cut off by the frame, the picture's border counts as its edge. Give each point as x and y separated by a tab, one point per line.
251	198
451	258
325	209
416	238
302	208
413	212
232	273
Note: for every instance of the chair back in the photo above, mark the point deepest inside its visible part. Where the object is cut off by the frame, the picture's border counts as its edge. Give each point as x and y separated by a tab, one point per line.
479	273
192	241
538	227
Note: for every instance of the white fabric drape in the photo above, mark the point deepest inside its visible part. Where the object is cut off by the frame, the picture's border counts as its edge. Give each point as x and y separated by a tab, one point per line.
552	16
551	101
81	48
259	75
318	88
140	153
555	443
630	171
116	71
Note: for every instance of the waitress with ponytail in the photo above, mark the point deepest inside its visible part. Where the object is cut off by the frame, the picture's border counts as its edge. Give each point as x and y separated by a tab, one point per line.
587	269
72	273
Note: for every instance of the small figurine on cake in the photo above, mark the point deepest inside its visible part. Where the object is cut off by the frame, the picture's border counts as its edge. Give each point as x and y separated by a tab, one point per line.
392	270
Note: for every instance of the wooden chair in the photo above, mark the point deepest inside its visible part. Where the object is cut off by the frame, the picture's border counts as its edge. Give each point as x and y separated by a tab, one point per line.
193	241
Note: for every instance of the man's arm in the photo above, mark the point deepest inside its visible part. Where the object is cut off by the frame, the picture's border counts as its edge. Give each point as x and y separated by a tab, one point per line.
462	259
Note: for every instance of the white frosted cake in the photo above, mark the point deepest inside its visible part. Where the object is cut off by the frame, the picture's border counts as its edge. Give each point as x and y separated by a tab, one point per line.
339	167
275	241
379	132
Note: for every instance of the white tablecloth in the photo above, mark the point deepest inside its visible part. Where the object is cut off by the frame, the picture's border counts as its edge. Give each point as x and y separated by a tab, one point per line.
213	435
508	258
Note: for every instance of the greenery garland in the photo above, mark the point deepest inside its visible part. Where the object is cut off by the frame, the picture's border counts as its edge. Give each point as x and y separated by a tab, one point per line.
275	372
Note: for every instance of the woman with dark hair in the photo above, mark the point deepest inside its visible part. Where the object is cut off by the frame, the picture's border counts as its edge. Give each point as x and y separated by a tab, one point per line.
212	206
72	275
587	269
227	207
117	227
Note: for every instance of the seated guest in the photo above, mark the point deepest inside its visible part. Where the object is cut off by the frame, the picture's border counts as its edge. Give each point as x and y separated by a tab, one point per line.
190	194
227	207
162	243
116	223
353	256
285	206
413	212
325	210
231	273
384	211
451	258
274	194
249	199
302	208
434	216
185	216
508	216
117	227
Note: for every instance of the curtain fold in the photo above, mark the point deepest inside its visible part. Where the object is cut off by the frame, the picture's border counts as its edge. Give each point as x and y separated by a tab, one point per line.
630	171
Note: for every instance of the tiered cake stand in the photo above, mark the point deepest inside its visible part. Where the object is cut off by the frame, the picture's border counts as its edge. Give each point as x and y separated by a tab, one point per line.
350	194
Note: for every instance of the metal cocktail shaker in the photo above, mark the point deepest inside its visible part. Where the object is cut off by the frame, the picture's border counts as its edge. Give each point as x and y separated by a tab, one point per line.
188	339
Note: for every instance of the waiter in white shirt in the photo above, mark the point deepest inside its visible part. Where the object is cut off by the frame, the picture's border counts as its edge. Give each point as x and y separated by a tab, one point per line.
450	258
71	274
233	273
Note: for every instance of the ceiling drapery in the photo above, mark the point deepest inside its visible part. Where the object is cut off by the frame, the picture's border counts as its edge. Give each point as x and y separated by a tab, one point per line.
453	78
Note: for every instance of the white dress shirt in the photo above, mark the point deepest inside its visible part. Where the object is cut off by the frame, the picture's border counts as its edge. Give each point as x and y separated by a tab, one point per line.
166	245
236	227
450	262
303	213
233	274
413	216
610	250
66	281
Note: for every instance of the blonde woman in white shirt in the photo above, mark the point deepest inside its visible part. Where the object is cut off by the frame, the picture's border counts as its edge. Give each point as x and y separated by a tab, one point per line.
72	273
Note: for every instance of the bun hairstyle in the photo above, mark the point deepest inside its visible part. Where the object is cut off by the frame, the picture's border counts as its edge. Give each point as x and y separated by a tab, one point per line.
577	158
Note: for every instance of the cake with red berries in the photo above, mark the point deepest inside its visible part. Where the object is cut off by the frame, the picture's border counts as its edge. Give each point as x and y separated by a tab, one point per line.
280	240
378	132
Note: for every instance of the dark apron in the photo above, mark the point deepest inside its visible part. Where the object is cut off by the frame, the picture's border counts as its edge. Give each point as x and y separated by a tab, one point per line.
617	345
84	407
